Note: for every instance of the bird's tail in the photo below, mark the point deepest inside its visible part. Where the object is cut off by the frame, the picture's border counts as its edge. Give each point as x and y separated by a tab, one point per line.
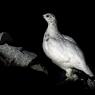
87	70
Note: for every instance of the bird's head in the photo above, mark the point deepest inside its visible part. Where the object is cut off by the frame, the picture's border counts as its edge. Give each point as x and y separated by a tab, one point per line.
50	18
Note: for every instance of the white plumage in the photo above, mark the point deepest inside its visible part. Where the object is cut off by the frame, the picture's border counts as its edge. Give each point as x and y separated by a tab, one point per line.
62	49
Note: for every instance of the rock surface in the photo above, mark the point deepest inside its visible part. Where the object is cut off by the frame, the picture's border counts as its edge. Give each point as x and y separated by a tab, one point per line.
17	56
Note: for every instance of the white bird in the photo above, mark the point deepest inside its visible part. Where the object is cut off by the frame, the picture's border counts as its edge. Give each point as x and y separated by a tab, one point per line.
63	50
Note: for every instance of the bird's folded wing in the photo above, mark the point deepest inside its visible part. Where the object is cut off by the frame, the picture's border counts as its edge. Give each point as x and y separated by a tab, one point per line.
69	38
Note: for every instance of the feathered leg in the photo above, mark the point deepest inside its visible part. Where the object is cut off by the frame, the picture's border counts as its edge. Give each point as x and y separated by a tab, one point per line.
70	75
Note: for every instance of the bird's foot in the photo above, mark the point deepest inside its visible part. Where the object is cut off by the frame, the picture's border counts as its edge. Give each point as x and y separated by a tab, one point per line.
70	75
73	77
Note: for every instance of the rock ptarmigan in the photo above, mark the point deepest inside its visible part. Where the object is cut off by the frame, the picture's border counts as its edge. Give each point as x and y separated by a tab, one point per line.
63	50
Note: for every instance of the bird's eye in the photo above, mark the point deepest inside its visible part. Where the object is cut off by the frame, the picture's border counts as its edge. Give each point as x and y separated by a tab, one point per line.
47	15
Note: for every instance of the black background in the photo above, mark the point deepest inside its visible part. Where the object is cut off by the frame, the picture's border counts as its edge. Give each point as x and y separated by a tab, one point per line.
26	25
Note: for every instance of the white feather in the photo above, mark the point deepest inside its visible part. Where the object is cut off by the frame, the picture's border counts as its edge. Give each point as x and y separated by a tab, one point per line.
62	49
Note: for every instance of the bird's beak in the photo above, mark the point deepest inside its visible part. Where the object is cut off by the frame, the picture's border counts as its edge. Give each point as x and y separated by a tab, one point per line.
44	16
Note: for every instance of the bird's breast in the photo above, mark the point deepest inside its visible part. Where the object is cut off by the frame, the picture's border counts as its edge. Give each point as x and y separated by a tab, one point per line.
55	50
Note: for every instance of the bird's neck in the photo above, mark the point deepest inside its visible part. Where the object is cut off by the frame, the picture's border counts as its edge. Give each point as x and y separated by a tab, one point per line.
52	29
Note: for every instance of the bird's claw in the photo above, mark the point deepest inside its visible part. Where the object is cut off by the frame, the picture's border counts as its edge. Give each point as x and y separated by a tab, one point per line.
73	77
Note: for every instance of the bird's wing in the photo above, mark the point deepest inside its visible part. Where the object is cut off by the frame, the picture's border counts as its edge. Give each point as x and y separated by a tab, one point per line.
77	59
69	38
